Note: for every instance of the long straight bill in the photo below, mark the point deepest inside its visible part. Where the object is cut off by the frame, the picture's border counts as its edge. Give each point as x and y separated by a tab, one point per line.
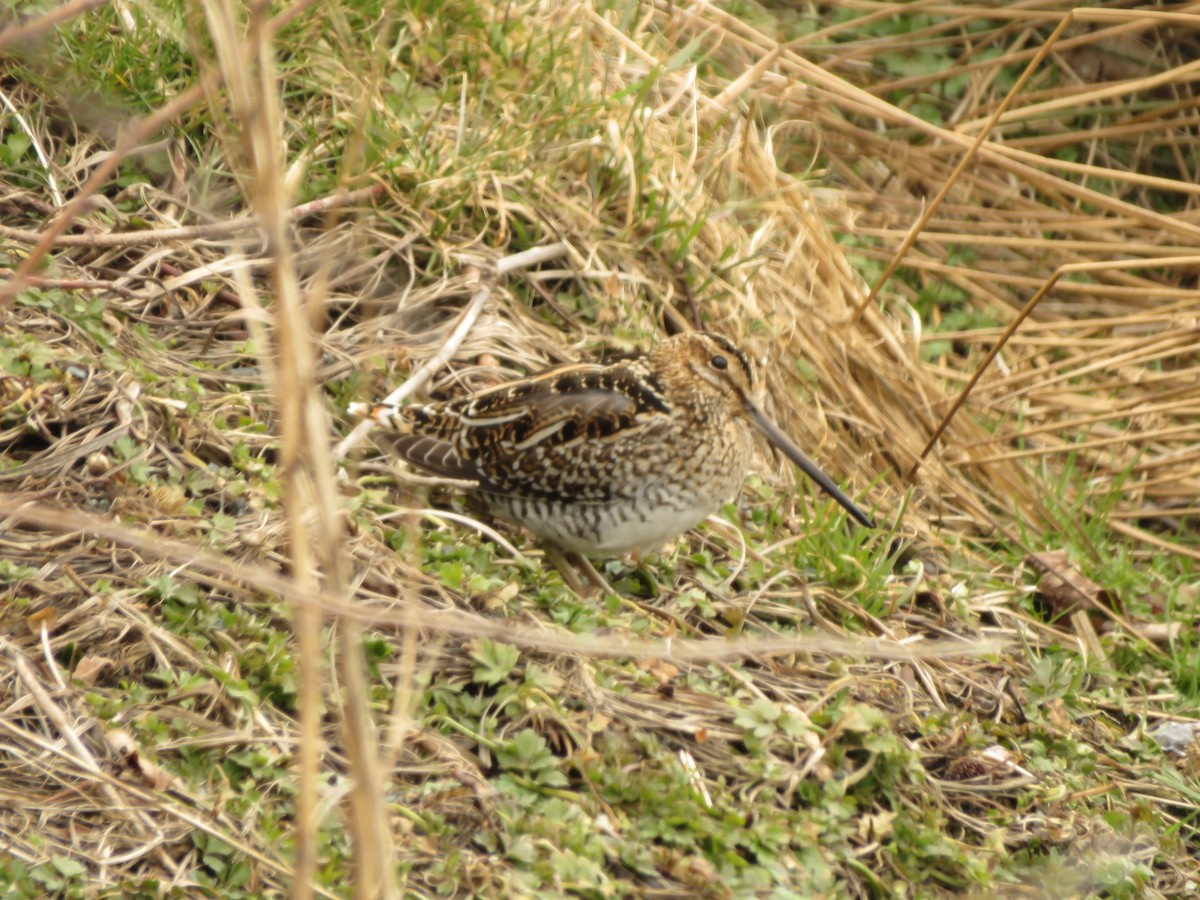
792	452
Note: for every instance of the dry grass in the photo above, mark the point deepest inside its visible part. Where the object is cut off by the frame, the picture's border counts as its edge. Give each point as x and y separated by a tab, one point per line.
181	351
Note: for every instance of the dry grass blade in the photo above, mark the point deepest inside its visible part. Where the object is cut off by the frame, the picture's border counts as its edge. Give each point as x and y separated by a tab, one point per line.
16	35
135	135
986	286
467	625
246	54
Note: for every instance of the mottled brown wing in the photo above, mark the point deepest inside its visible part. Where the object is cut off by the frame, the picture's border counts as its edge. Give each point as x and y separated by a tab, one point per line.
540	437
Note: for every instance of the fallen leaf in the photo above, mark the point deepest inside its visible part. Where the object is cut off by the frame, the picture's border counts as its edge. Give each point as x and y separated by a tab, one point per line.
1066	589
126	751
1158	632
90	668
662	671
693	870
876	826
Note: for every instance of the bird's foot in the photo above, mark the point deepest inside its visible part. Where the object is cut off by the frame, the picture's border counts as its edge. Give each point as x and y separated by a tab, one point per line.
571	565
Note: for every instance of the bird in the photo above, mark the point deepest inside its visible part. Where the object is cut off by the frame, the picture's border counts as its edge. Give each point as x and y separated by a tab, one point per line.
606	458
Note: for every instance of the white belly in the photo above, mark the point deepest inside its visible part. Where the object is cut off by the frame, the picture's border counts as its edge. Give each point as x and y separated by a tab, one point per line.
618	527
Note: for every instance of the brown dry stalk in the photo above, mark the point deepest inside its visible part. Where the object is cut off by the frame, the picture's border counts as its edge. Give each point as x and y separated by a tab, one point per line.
134	136
246	59
27	32
207	231
464	624
915	232
1016	323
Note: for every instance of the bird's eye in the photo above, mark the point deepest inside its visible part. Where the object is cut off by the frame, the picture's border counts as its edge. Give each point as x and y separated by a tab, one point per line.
719	362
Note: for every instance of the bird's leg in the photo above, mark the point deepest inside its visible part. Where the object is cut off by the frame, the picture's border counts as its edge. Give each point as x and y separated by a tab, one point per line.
570	577
589	572
570	565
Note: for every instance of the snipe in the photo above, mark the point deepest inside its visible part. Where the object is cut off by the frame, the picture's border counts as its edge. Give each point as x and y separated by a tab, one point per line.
603	459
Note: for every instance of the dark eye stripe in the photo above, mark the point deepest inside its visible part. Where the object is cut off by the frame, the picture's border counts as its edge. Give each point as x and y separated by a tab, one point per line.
745	361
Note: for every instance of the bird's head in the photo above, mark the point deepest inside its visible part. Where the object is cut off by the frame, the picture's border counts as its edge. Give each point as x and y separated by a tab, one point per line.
711	367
